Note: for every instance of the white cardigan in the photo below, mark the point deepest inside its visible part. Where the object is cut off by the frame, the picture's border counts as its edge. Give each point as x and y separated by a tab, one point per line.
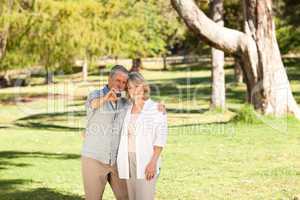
151	130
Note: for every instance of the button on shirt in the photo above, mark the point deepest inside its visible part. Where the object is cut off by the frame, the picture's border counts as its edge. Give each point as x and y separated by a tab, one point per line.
103	128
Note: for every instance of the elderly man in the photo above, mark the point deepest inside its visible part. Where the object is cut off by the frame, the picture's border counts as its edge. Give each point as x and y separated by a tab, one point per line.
105	115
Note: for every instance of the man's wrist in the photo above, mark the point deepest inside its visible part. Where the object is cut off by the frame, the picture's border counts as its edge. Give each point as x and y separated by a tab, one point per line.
105	98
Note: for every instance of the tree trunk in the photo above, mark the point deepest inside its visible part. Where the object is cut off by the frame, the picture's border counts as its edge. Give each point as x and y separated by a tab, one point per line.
165	66
136	65
217	73
116	60
3	42
238	73
49	76
5	31
272	92
85	70
268	88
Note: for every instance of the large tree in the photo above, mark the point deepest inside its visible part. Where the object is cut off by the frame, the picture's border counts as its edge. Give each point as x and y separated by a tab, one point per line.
217	72
137	29
91	35
53	40
5	9
267	83
16	20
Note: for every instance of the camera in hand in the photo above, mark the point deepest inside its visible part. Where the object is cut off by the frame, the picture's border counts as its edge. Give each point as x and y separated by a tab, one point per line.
121	94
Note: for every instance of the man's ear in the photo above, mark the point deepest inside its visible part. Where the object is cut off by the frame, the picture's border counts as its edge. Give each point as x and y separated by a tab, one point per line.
109	81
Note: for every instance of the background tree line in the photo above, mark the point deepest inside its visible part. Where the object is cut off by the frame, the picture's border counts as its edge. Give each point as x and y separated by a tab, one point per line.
54	33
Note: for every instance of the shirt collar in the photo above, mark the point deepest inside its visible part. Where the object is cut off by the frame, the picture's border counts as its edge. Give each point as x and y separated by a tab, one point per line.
146	106
105	89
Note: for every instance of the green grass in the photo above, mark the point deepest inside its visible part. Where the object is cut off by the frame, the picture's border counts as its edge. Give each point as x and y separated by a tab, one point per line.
208	155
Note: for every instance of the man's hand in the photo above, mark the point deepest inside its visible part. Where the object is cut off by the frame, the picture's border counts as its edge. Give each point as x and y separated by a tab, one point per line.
150	170
111	95
161	108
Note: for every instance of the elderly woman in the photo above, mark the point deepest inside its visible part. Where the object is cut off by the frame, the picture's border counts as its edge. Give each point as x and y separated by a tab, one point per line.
144	134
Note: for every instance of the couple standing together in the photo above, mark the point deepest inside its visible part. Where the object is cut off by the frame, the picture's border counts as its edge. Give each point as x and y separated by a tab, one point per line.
124	138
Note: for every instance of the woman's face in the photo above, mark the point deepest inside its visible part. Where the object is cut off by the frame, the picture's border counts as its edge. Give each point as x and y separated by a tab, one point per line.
135	91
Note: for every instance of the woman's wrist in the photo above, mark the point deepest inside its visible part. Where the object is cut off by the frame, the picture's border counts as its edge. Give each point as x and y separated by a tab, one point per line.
154	159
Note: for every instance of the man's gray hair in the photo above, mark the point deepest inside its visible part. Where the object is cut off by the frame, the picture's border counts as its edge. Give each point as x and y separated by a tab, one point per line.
116	69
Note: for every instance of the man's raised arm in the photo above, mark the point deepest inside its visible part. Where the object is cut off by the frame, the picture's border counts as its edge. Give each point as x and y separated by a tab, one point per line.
99	101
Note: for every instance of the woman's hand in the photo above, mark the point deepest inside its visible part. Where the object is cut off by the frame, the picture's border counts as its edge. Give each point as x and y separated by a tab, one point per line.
150	170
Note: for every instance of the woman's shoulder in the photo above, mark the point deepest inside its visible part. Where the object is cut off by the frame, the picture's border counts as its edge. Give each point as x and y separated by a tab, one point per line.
150	105
152	109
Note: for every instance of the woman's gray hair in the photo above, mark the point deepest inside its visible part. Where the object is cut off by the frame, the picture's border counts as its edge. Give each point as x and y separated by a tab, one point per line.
138	79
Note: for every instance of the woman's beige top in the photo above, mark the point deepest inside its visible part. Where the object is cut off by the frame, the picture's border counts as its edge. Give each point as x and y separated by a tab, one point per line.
131	132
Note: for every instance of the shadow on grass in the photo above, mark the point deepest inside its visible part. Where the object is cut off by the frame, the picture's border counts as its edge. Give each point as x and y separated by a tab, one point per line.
81	103
171	110
97	72
42	126
6	164
37	194
41	121
181	81
55	114
199	124
201	66
198	66
8	159
10	184
36	154
203	92
297	96
293	68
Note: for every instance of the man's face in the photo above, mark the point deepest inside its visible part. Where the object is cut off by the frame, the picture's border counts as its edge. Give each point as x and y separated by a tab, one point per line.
118	81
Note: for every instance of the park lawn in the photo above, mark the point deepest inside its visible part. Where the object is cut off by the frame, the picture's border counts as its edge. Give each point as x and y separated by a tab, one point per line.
208	156
217	161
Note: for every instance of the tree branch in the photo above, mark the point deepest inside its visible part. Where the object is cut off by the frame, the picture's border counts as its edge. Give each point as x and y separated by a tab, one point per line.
225	39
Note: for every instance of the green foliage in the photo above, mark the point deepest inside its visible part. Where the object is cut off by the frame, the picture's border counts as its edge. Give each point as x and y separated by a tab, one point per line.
247	114
90	35
53	38
139	28
15	21
233	17
291	11
288	37
287	25
53	33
